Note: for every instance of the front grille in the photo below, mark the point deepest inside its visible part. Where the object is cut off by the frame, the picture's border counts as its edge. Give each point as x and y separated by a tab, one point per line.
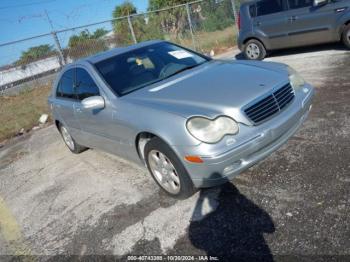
271	104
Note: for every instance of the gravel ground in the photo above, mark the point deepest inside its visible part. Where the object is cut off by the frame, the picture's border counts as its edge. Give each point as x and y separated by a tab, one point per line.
295	205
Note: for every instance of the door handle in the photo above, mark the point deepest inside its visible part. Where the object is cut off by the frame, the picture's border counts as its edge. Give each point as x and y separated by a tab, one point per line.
258	23
293	18
339	10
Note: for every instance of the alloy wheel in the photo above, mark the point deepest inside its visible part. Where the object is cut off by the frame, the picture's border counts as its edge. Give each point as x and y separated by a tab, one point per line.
164	172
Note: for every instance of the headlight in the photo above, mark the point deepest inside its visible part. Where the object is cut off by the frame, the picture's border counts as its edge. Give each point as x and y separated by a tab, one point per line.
211	131
295	79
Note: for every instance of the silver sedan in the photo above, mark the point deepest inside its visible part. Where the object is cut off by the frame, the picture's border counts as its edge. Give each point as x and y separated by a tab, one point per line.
192	121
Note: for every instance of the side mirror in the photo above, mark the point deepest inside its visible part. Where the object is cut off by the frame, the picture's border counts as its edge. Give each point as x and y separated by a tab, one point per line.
320	2
93	102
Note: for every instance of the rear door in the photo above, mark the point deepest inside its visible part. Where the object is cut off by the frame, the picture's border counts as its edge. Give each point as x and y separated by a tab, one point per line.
309	24
270	23
64	102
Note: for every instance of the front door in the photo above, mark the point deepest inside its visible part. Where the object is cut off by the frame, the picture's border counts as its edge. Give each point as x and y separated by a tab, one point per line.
309	24
98	128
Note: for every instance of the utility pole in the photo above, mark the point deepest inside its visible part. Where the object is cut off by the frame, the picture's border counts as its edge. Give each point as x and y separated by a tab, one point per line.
188	10
49	20
62	60
131	28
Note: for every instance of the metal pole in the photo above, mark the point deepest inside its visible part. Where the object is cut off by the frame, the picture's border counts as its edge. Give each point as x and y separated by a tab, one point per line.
190	24
49	20
59	48
132	30
235	14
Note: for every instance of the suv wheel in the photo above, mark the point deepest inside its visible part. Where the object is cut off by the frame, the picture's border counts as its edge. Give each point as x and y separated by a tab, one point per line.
167	170
254	50
346	36
69	141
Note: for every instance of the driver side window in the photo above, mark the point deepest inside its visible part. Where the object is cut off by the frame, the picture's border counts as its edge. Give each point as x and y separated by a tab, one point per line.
295	4
267	7
84	84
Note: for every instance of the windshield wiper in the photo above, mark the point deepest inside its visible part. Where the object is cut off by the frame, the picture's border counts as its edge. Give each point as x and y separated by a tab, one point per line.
183	69
159	80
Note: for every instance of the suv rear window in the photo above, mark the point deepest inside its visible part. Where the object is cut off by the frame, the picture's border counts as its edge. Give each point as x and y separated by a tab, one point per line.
266	7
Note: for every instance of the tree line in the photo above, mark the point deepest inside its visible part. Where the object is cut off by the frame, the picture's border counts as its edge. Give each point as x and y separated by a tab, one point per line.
172	24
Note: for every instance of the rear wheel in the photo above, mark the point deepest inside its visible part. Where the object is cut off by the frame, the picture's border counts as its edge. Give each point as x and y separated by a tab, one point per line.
69	141
346	36
254	50
167	170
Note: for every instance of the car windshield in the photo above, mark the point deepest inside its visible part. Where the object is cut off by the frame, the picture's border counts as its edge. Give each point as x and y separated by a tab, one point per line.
138	68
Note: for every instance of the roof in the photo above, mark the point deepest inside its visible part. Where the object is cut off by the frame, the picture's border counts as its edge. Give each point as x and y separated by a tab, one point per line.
116	51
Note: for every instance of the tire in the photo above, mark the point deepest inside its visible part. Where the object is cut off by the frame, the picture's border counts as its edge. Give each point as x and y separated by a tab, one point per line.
254	50
346	36
73	146
177	182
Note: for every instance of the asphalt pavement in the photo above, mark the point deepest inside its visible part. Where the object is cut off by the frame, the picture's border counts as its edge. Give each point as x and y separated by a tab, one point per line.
294	205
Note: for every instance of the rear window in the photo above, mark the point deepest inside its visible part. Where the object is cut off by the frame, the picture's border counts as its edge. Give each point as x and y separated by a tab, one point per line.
133	70
65	87
266	7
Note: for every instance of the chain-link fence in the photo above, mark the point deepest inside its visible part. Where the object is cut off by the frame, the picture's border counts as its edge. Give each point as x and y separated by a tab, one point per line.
37	61
207	26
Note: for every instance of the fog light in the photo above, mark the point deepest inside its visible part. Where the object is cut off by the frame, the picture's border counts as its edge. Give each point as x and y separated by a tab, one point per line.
305	90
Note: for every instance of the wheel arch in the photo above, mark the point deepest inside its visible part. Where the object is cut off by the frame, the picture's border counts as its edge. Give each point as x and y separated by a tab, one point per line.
341	25
143	138
254	38
140	142
342	28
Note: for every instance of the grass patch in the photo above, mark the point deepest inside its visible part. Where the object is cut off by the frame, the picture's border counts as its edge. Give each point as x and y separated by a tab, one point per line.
22	111
219	41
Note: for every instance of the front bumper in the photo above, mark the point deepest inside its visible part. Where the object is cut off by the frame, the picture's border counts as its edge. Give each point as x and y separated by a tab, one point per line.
264	140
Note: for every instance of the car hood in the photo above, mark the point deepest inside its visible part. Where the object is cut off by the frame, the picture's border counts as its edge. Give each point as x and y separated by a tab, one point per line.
212	89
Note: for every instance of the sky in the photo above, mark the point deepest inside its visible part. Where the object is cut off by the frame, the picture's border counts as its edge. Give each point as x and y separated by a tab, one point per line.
26	18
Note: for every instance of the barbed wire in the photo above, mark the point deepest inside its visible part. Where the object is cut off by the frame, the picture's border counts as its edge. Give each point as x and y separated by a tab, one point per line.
27	4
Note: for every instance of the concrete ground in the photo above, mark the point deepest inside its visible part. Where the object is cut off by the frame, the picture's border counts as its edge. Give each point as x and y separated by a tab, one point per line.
295	203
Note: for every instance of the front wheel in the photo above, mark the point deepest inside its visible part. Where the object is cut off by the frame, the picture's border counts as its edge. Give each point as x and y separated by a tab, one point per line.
167	170
254	50
346	36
